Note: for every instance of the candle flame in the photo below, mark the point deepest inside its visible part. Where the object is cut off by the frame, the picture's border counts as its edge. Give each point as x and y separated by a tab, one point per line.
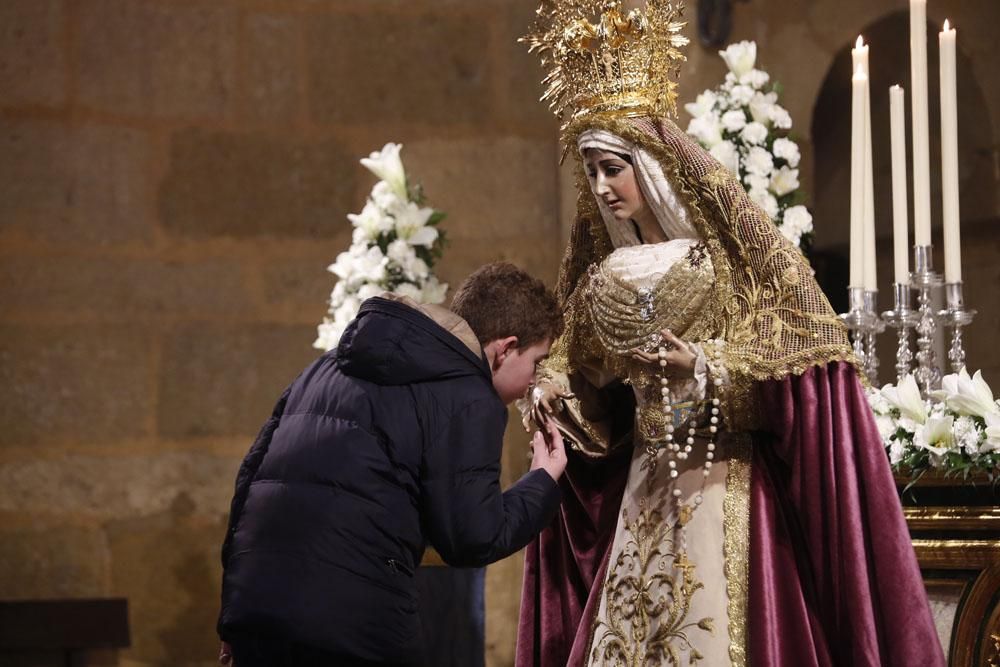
946	26
861	42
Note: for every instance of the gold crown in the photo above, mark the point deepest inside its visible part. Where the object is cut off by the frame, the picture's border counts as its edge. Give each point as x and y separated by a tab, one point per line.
602	60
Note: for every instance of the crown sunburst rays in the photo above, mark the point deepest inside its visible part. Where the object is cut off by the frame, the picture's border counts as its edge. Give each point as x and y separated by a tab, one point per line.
602	59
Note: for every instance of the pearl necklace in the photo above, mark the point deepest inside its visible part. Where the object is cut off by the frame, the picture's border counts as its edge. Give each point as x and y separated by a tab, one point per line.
675	452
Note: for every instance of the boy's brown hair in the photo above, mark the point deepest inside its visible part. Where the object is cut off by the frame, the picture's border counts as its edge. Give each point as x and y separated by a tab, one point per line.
500	300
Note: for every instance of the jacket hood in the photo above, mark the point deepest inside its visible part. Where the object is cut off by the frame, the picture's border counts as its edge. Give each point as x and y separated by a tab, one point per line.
396	341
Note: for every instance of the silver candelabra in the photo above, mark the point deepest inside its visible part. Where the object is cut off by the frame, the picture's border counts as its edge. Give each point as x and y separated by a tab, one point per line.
864	323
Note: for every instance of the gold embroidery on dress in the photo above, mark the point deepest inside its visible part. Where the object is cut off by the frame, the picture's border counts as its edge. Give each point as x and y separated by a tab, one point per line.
648	593
625	316
736	528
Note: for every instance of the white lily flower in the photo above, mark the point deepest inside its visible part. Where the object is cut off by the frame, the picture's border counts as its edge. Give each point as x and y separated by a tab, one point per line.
343	266
799	218
387	165
876	400
886	427
755	78
409	290
434	291
740	57
761	105
734	120
897	449
411	225
728	155
759	161
755	134
789	232
425	236
372	221
327	335
784	180
787	150
386	198
908	425
702	105
756	182
906	398
967	435
967	395
992	443
937	437
369	266
403	254
780	117
706	129
338	293
740	96
347	311
369	290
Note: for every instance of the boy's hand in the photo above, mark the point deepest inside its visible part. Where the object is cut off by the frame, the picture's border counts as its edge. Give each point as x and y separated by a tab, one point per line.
226	655
548	451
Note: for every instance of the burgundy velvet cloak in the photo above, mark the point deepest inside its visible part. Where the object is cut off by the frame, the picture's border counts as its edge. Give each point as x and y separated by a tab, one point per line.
833	576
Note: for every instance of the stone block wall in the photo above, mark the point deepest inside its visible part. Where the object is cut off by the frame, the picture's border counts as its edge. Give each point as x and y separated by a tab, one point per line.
174	179
174	176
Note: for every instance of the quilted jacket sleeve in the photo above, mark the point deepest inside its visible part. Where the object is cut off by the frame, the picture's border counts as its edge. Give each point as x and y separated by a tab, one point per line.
466	517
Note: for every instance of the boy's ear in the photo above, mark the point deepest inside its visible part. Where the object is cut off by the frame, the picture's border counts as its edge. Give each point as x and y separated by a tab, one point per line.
501	348
508	344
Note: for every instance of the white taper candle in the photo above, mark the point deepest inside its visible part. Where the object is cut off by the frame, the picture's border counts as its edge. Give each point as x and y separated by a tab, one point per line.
859	83
949	157
918	111
900	226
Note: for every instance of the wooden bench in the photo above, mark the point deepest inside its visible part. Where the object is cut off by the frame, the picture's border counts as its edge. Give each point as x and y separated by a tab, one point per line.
66	630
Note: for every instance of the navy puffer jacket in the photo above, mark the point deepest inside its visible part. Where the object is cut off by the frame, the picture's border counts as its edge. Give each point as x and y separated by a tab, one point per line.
387	444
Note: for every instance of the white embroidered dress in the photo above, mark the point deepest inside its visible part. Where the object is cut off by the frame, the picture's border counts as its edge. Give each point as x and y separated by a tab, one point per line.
664	599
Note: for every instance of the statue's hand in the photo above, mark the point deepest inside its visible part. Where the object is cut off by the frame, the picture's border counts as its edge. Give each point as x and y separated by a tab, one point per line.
675	357
546	399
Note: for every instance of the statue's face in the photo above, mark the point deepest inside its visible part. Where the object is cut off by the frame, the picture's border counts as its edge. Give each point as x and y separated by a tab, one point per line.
612	180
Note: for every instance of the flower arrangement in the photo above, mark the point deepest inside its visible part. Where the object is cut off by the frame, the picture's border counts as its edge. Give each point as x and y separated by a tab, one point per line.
394	247
742	125
957	431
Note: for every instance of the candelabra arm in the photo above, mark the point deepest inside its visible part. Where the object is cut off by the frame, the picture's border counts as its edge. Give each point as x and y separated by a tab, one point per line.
956	316
858	321
903	319
873	325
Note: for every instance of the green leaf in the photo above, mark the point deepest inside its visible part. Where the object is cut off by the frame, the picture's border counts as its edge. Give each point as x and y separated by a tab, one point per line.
416	193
